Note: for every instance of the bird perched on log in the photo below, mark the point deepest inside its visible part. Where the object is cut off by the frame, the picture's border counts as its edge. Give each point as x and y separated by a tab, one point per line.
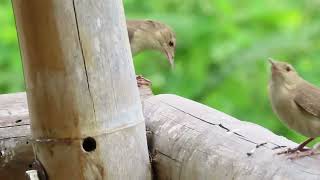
295	101
151	35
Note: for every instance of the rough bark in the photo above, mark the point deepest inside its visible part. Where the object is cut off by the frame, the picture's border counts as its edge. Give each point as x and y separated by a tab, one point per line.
192	141
15	147
85	110
187	140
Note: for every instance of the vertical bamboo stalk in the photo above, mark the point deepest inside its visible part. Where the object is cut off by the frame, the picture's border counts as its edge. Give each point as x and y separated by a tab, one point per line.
84	105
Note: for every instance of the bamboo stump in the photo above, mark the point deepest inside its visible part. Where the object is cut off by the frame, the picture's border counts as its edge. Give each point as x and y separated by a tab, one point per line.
85	110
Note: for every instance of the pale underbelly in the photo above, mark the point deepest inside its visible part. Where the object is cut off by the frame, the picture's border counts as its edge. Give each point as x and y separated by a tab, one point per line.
291	114
301	122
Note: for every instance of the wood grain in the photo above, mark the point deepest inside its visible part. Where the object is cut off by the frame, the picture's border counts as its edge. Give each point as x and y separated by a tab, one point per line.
80	83
192	141
187	140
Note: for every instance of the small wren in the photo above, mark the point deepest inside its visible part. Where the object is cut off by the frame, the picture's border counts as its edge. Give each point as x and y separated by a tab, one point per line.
151	35
295	101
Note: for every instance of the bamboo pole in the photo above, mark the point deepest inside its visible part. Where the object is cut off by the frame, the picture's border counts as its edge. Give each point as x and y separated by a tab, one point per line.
86	117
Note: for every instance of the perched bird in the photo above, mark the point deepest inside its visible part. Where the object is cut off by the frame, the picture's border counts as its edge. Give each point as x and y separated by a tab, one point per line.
151	35
295	101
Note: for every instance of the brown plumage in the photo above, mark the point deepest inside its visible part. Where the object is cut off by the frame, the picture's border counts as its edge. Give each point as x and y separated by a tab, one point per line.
308	98
295	101
151	35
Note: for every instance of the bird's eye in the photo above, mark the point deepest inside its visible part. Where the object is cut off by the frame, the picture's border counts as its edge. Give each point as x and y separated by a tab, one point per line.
288	69
171	43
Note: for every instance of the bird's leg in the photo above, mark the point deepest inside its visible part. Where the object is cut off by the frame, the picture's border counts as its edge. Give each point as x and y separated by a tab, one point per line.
302	145
142	81
299	148
297	155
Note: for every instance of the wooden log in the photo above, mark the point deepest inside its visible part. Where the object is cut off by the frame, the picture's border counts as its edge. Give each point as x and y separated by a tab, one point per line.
187	140
86	115
16	154
15	147
192	141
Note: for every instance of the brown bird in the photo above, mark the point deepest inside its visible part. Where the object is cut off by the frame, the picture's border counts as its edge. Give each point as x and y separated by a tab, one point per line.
151	35
295	101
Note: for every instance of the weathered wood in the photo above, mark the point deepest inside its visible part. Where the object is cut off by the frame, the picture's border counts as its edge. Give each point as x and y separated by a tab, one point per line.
15	147
86	116
192	141
188	141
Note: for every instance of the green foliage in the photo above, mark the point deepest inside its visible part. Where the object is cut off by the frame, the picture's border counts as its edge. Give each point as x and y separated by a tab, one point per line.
222	51
11	76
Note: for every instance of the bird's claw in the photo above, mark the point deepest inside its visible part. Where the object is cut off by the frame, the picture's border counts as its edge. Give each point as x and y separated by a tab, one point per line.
299	154
294	150
142	81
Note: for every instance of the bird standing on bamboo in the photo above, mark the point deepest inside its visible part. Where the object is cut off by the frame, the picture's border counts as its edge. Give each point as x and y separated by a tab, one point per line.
295	101
151	35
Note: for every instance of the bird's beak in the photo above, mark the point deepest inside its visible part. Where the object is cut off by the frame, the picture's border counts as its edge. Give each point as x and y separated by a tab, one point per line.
273	63
170	58
271	60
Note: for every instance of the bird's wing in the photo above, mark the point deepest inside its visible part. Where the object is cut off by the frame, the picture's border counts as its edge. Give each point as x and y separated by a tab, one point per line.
139	25
308	98
132	27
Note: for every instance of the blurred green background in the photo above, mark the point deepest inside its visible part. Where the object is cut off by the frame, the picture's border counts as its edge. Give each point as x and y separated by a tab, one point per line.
222	51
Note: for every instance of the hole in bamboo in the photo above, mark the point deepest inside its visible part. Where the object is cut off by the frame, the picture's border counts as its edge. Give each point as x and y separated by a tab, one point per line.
89	144
19	120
